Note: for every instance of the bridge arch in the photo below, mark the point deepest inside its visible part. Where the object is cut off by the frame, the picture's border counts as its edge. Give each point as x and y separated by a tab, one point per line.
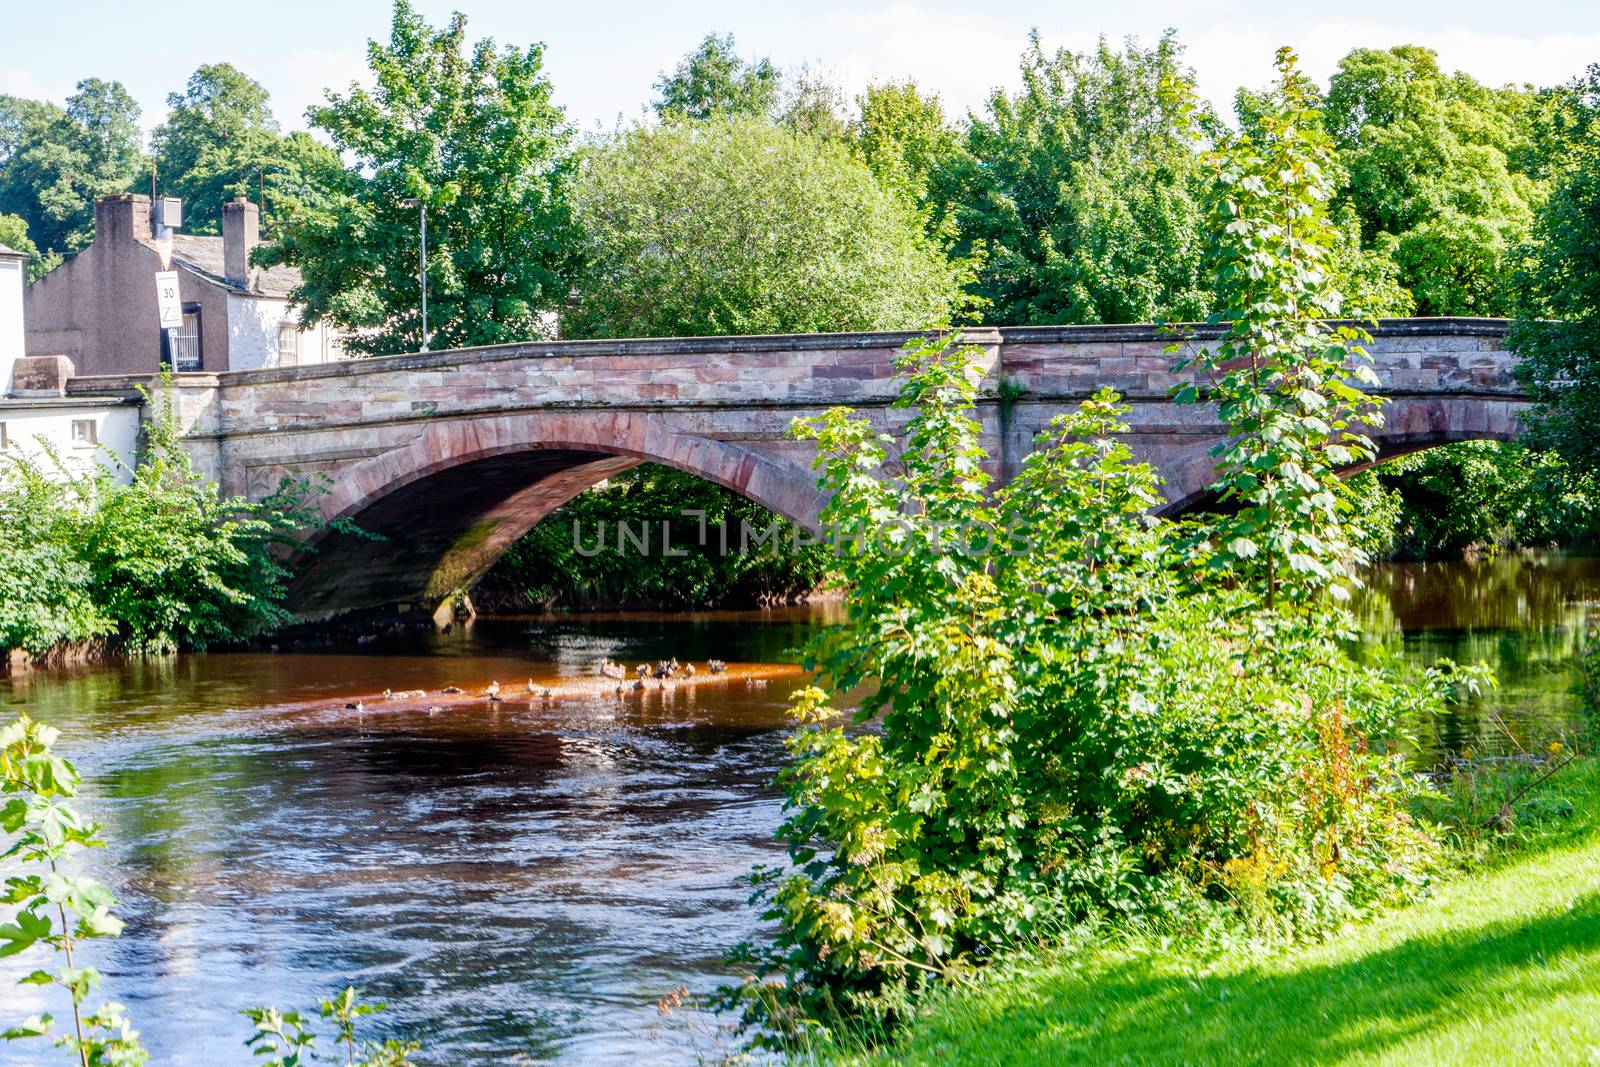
452	500
1411	424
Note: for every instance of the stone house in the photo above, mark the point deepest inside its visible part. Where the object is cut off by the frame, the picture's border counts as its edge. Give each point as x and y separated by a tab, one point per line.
99	308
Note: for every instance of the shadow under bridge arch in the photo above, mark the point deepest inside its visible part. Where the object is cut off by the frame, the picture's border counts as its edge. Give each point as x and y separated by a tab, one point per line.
447	505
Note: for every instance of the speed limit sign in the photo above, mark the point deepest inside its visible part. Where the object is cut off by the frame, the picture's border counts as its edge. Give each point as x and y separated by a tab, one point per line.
167	299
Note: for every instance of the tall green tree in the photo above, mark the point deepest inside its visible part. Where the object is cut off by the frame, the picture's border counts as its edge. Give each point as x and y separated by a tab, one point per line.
474	135
59	161
1439	171
1558	330
904	137
740	226
1082	189
220	141
714	80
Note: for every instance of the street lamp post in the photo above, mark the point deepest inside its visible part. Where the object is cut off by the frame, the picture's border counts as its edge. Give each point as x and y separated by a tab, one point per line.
422	259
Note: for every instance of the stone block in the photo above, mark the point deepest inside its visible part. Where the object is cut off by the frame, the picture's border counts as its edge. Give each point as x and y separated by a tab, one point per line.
40	376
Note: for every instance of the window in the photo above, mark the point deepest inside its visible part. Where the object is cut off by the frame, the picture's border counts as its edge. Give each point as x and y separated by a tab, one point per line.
180	348
288	344
85	433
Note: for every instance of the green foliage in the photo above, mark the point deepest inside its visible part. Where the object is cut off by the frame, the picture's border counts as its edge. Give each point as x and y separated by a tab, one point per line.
1496	964
1488	495
47	580
713	82
1082	193
1440	167
1557	334
737	226
55	163
904	138
14	235
475	136
576	557
1374	513
1080	712
54	908
163	562
814	105
220	141
1278	375
287	1037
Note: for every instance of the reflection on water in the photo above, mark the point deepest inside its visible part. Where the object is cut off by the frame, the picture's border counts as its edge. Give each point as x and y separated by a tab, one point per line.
522	881
1525	615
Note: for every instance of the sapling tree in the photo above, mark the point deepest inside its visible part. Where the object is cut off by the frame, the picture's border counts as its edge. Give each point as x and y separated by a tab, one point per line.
1281	374
57	908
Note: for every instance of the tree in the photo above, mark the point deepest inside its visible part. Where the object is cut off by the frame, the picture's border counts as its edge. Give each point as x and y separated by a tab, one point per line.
476	138
1082	190
713	81
904	137
14	235
220	141
1439	168
61	161
1280	374
735	226
1558	329
814	104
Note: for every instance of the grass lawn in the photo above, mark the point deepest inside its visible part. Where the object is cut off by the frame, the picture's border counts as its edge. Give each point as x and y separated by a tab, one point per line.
1500	966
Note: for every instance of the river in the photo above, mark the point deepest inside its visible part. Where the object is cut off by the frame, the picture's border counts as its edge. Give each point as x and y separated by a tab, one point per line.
523	880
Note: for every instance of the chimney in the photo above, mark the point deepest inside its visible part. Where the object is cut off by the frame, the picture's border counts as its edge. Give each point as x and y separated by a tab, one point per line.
122	217
241	232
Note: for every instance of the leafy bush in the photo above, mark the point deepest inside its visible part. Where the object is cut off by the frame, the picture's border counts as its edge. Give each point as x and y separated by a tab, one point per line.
163	562
1080	712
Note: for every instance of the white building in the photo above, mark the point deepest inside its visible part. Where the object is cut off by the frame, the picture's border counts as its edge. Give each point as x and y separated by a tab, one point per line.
36	416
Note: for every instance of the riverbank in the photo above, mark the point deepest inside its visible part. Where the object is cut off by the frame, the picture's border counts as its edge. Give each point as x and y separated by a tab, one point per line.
1500	965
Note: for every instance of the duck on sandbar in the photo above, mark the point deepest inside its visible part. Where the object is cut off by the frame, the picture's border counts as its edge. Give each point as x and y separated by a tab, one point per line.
493	692
716	666
612	670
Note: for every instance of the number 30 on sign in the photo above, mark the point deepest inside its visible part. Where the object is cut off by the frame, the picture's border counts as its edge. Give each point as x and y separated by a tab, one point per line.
167	299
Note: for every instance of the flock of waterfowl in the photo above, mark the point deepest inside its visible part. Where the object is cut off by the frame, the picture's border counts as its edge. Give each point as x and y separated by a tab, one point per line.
662	673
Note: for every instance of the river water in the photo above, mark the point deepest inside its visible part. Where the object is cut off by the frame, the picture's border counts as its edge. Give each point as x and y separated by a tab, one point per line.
523	880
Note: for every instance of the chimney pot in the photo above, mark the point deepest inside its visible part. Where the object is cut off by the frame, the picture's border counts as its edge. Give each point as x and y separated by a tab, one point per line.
241	232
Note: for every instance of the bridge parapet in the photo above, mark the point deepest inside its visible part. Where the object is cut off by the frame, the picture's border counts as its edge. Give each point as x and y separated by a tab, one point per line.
453	454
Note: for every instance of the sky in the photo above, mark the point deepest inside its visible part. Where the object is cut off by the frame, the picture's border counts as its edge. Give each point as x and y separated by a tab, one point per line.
603	55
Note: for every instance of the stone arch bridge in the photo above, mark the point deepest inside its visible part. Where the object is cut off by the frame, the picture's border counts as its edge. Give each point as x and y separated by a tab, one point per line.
454	455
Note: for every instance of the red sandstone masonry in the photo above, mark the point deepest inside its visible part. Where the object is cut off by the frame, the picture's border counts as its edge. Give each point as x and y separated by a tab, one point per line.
720	407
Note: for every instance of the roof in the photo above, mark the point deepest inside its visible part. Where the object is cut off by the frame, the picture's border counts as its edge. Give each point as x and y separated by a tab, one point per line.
203	255
7	250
